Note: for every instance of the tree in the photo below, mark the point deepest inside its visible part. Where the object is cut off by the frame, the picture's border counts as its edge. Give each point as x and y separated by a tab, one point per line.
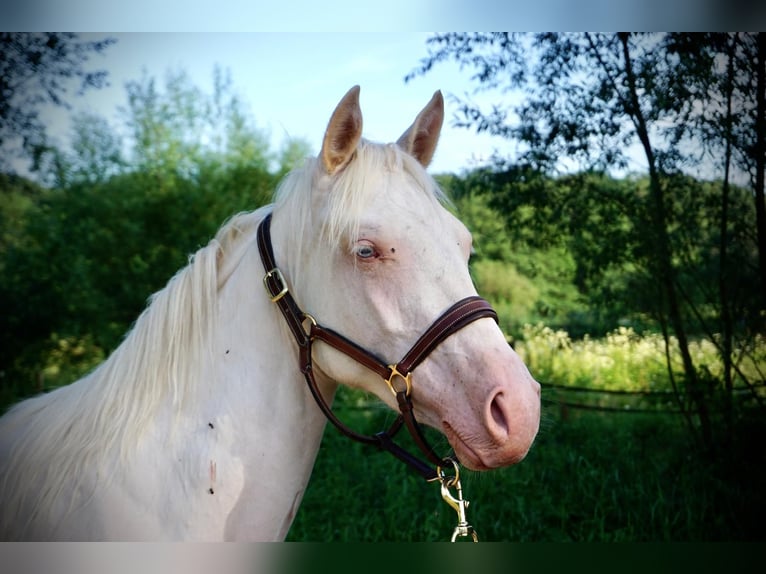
79	260
721	70
588	99
529	279
759	154
35	70
97	153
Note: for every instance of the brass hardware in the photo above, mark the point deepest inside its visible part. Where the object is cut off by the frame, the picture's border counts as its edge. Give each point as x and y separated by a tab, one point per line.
442	477
310	319
277	274
406	378
463	529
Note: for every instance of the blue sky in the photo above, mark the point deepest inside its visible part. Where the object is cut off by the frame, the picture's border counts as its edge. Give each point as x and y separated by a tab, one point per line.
292	82
380	15
297	57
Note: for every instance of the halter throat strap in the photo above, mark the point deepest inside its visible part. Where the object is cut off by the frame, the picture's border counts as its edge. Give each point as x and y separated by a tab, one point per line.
397	376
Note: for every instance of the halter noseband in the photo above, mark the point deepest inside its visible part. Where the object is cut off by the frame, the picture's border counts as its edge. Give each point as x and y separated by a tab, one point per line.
398	376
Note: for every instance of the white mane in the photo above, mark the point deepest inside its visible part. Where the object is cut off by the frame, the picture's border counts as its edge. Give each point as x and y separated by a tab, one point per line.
350	192
73	428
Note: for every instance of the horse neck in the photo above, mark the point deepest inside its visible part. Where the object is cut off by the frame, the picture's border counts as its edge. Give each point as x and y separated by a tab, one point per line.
257	388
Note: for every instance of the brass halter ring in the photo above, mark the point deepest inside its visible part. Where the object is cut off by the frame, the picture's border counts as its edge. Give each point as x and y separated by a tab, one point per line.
406	378
311	320
449	481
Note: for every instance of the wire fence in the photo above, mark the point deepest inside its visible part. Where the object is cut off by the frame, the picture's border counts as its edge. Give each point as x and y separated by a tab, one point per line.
618	401
570	397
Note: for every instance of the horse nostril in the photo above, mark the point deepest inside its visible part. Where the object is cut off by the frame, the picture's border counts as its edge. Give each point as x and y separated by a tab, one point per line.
498	414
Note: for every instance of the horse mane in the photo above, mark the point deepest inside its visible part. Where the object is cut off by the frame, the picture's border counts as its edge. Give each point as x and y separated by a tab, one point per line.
351	191
70	430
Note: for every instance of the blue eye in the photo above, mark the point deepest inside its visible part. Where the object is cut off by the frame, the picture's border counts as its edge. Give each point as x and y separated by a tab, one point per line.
365	251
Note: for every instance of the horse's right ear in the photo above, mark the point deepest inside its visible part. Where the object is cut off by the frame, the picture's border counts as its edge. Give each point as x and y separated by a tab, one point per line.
343	133
421	137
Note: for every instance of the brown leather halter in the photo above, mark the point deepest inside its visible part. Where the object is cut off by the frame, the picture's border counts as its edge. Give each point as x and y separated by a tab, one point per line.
398	376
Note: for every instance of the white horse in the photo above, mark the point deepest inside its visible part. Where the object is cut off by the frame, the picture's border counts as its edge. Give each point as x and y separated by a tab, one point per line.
200	426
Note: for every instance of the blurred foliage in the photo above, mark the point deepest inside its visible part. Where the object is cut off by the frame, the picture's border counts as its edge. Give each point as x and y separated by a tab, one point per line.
526	283
571	252
80	259
37	70
624	360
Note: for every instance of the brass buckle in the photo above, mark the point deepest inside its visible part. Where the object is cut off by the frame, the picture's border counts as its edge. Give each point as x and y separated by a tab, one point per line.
406	378
280	279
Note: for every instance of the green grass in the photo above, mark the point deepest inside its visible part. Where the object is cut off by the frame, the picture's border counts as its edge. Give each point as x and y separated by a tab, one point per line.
589	477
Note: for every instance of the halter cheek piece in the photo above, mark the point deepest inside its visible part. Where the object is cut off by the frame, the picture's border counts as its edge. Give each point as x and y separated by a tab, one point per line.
398	376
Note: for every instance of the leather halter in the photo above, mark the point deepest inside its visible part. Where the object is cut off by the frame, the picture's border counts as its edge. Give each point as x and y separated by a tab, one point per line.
398	376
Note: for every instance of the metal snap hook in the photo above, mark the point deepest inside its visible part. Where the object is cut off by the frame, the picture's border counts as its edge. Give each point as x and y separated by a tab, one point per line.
463	528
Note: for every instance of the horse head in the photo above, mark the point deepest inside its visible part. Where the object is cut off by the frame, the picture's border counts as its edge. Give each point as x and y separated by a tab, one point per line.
373	253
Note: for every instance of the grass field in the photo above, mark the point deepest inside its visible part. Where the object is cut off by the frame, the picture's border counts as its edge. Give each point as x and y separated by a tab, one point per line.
590	476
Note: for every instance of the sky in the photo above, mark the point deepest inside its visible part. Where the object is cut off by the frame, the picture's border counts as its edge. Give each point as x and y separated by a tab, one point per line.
291	83
377	15
292	60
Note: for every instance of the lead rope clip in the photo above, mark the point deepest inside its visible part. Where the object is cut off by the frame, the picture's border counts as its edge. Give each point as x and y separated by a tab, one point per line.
463	529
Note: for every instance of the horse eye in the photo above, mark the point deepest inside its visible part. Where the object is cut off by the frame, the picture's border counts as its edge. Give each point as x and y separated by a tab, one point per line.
365	251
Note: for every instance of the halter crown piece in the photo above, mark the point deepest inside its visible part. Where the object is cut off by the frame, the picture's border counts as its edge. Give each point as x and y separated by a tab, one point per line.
398	376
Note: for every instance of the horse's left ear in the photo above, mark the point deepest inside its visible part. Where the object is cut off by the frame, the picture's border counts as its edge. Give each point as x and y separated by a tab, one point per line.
421	137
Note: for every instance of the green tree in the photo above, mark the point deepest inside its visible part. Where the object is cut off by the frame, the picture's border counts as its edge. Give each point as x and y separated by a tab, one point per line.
96	156
588	99
83	257
529	278
37	70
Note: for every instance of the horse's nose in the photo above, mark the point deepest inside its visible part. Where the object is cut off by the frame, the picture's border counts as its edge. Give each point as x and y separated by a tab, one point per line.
499	421
512	420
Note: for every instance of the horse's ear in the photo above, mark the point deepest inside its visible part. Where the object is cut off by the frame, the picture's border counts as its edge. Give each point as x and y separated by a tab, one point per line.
343	133
421	137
